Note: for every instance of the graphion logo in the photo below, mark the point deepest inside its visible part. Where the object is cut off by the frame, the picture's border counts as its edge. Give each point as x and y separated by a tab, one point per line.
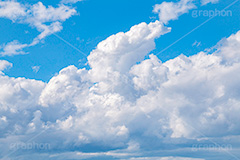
211	13
29	146
211	147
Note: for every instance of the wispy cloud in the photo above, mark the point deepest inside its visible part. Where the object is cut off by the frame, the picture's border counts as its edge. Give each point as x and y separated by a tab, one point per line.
35	68
47	20
204	2
12	48
70	1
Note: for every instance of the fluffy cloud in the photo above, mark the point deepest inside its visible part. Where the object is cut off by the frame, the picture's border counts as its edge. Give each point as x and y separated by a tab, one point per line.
149	73
47	20
121	51
18	94
171	11
127	103
228	48
101	88
12	10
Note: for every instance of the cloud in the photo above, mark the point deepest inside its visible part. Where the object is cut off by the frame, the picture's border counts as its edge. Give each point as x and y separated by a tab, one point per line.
228	48
204	2
12	10
168	11
148	74
40	14
12	48
70	1
47	20
35	68
4	65
128	105
171	11
119	52
196	44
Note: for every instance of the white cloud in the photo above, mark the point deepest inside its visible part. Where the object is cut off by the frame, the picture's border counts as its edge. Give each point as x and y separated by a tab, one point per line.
12	10
204	2
71	1
149	74
197	44
12	48
35	68
121	51
18	94
229	48
39	14
168	11
195	84
68	83
42	14
171	11
47	20
4	65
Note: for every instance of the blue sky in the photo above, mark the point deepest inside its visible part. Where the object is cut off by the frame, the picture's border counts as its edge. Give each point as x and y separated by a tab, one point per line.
119	79
97	20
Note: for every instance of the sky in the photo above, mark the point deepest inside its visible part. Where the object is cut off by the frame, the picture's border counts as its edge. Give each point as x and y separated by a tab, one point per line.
129	79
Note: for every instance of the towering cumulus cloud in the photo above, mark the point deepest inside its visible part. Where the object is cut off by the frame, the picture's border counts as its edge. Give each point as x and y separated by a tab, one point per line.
120	52
124	105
